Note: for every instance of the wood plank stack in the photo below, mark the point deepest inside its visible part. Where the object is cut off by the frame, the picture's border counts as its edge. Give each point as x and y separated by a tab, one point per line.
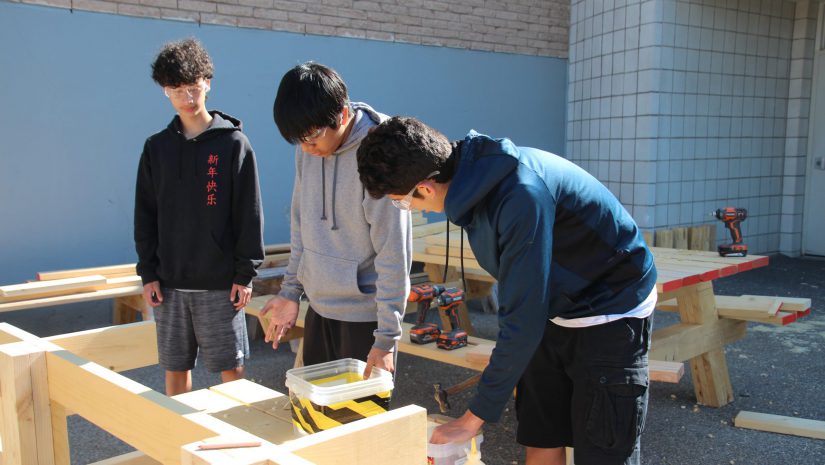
68	286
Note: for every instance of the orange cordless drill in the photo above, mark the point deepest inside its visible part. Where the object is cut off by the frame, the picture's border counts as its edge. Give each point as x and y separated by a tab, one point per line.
448	302
732	217
423	332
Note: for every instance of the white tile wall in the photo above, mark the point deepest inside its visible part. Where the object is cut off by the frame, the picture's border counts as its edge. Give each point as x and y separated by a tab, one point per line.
695	99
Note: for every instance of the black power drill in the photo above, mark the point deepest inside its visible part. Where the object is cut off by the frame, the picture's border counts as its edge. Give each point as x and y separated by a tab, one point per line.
732	217
423	332
448	302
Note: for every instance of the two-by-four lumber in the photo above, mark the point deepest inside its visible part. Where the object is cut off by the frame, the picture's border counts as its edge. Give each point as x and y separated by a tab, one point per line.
107	271
780	424
24	403
119	348
112	293
139	416
282	247
36	289
432	228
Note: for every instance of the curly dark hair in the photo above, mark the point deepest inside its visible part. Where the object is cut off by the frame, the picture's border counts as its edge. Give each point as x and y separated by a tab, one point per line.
399	153
182	63
310	96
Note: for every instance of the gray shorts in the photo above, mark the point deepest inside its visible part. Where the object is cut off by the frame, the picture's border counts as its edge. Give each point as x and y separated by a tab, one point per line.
207	321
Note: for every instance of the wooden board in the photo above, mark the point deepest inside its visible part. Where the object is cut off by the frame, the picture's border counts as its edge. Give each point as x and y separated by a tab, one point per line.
780	424
400	434
72	298
36	289
107	271
118	348
282	247
132	458
666	372
788	304
145	419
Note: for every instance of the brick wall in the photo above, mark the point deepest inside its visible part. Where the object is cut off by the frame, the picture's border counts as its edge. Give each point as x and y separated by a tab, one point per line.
530	27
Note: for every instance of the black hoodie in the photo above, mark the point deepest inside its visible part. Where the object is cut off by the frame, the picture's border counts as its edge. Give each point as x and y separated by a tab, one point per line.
198	220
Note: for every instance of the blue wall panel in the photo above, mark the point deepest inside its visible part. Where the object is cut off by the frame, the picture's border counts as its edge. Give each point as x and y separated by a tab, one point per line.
77	101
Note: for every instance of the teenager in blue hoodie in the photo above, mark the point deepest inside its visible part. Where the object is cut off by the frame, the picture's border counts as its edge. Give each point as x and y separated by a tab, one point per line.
576	286
350	254
198	224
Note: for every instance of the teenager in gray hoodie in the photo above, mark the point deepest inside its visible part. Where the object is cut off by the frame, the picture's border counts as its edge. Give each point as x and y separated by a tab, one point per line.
351	254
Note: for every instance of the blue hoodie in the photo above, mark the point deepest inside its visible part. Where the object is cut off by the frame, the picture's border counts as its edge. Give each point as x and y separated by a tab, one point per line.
558	242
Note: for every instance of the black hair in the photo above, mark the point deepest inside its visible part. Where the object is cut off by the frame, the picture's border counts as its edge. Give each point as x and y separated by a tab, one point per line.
401	152
182	63
310	96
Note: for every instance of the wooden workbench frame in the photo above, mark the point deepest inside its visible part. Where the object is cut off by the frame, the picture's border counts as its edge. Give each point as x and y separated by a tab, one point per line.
44	380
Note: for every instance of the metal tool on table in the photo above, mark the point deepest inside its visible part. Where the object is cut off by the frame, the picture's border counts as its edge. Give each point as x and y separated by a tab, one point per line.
732	217
424	294
442	395
448	302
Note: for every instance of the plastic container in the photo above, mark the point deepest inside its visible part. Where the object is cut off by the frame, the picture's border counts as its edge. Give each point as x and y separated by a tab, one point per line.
452	453
331	394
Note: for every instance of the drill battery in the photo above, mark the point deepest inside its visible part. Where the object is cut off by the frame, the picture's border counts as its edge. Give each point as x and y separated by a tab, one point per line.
423	332
449	301
452	339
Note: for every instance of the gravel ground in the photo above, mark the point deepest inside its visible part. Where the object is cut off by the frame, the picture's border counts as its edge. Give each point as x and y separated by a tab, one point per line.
776	370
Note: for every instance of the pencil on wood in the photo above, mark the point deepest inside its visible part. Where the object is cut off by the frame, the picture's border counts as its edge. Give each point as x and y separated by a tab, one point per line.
228	445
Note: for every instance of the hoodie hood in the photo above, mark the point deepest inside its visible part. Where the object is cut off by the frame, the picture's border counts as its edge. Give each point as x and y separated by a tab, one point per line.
365	118
220	122
482	164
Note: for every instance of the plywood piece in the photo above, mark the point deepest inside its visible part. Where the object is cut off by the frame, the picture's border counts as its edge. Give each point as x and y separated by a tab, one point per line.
107	271
242	415
780	424
37	289
648	238
399	434
258	397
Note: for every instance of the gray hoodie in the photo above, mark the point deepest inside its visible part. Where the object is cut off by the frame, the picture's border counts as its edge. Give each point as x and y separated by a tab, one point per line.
351	254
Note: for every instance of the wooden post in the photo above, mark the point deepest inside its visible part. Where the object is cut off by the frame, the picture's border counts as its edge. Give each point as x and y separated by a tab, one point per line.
60	434
24	405
664	238
125	309
711	380
680	238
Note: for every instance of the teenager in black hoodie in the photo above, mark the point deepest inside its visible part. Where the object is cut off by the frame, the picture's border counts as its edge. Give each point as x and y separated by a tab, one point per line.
198	225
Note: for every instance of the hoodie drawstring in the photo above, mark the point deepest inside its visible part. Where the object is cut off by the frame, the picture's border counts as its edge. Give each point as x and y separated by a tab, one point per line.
324	190
461	257
334	178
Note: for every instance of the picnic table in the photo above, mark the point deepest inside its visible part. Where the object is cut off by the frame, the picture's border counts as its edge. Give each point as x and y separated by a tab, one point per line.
685	285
